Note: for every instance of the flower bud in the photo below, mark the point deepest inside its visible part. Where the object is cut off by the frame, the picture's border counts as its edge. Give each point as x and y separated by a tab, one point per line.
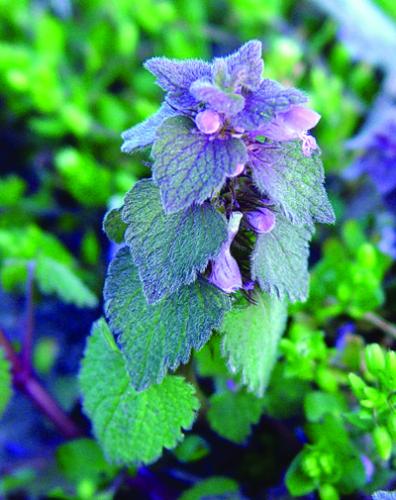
375	358
225	273
225	270
208	121
261	220
383	442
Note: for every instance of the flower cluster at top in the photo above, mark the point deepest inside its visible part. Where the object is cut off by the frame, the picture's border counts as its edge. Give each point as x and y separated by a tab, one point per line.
228	137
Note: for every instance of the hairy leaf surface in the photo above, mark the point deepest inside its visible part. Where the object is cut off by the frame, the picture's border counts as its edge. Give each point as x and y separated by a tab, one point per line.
280	260
143	134
130	426
190	167
158	337
293	181
263	105
251	338
169	250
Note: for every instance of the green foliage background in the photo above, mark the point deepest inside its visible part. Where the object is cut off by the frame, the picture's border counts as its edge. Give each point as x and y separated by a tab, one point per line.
71	80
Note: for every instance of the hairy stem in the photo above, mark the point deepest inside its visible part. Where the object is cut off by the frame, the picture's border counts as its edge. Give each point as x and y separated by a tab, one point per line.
25	382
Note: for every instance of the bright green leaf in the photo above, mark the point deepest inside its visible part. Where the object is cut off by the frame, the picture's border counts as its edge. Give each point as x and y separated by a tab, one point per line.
231	414
251	338
131	427
82	459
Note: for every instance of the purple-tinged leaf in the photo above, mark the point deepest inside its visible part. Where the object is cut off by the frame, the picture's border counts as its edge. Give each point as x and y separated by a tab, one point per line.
176	76
244	67
157	337
219	100
169	250
190	167
280	260
293	181
263	105
143	134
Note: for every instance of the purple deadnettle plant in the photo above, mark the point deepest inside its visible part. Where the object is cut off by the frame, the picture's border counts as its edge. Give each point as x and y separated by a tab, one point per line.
216	240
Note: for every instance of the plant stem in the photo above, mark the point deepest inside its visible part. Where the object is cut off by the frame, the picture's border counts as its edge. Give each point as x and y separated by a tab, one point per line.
27	346
381	323
24	381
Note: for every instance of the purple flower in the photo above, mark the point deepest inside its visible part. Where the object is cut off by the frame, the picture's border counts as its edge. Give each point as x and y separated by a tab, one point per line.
293	124
261	220
206	132
225	271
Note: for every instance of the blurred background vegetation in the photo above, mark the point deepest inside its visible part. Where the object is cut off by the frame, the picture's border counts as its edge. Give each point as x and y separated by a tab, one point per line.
71	80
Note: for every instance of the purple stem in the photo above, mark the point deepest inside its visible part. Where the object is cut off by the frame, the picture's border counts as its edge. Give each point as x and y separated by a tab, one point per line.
24	381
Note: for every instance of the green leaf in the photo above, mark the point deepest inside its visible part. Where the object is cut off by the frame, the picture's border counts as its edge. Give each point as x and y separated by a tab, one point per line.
190	167
169	250
155	338
294	182
114	226
131	427
317	404
251	338
82	459
280	260
232	414
55	277
297	482
193	448
5	382
213	488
